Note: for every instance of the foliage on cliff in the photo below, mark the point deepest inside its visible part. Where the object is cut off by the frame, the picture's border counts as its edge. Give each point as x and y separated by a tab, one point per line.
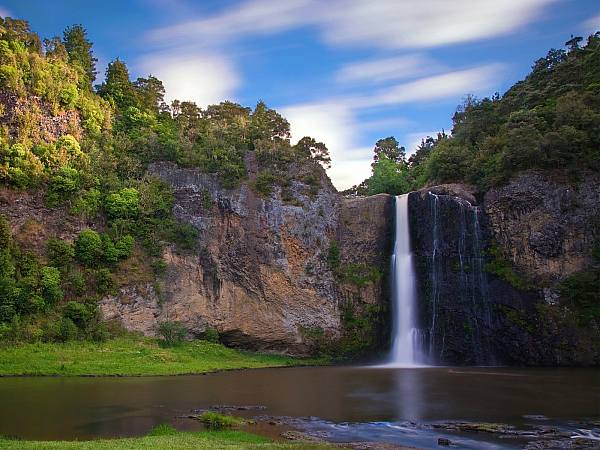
548	121
86	149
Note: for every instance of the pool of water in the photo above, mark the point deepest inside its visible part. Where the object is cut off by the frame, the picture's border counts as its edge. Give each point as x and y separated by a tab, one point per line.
350	402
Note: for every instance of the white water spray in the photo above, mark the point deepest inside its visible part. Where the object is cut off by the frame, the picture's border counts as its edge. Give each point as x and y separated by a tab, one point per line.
408	341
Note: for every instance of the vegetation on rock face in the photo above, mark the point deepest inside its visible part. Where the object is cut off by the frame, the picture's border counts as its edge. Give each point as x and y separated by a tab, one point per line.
87	149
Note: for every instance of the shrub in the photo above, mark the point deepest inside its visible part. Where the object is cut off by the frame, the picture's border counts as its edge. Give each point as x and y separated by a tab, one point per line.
164	429
171	333
216	421
68	95
184	236
211	335
60	253
360	274
264	183
79	313
104	281
124	204
76	282
68	330
88	247
50	284
63	185
124	246
88	204
333	256
5	233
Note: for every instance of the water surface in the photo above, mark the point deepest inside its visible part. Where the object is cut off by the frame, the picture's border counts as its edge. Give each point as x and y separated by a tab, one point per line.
360	399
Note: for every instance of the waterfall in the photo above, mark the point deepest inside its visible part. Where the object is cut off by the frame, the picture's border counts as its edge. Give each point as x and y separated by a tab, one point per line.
408	340
457	299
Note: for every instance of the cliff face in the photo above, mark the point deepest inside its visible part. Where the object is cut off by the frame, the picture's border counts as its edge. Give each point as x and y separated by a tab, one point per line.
260	273
547	228
487	270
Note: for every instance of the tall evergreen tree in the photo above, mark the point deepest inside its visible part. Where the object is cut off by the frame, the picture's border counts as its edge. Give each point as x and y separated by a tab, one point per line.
80	52
117	86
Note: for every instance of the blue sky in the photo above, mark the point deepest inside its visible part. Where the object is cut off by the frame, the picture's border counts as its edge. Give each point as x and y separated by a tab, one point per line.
346	72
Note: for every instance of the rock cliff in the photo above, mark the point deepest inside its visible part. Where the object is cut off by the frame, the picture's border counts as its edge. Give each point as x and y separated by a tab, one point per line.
488	266
262	272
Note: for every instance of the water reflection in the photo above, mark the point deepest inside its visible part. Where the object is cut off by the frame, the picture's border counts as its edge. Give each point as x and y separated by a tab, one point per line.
92	407
409	394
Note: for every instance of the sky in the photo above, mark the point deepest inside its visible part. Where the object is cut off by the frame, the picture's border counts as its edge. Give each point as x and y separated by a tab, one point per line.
346	72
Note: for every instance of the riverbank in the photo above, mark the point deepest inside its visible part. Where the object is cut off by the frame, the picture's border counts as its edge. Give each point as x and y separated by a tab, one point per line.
132	356
208	440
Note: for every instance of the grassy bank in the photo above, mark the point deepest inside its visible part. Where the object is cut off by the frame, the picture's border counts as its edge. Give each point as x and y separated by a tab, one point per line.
198	441
133	356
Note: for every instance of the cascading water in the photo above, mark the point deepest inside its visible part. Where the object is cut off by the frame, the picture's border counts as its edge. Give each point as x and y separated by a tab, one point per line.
407	344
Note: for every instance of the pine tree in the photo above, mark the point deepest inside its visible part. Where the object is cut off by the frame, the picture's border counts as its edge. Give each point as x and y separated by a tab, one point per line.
80	52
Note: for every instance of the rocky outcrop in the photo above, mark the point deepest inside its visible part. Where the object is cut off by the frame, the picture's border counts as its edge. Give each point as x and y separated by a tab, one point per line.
260	273
42	121
547	228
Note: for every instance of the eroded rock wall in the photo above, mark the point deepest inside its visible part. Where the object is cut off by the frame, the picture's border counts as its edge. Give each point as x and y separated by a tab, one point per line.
260	274
538	231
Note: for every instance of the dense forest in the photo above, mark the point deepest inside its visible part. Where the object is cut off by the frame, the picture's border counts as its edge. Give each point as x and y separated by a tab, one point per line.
86	148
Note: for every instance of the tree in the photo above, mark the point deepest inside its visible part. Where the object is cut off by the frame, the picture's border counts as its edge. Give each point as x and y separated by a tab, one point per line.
389	176
390	148
573	43
266	123
55	49
124	204
79	49
60	253
422	153
308	147
117	86
88	247
18	30
151	93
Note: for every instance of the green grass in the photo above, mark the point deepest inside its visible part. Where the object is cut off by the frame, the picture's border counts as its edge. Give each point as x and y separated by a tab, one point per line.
131	356
216	421
198	441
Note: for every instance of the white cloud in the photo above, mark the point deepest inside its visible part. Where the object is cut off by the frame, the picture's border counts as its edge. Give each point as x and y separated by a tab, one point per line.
414	140
426	23
5	12
385	69
203	78
250	17
592	24
437	87
334	121
376	23
335	125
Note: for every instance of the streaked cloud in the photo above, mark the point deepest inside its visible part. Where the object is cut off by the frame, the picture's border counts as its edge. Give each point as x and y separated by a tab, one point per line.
335	121
386	69
427	23
204	78
436	87
390	24
592	24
